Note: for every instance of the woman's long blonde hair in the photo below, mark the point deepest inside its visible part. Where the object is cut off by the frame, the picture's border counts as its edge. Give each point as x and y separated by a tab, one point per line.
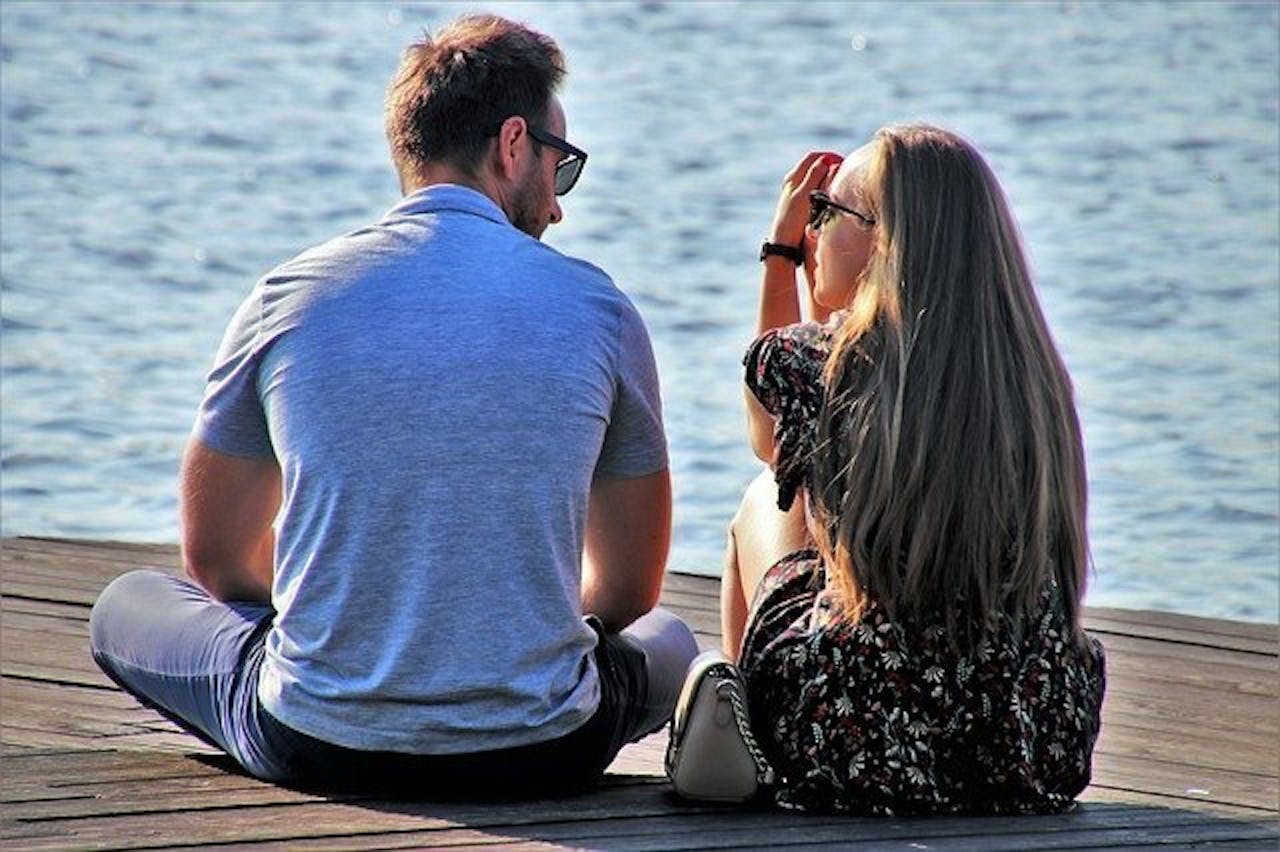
949	471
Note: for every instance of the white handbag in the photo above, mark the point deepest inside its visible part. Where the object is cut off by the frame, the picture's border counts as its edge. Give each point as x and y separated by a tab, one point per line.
713	755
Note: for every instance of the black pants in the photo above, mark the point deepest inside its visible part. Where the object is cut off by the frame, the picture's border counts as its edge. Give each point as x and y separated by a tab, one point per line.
569	762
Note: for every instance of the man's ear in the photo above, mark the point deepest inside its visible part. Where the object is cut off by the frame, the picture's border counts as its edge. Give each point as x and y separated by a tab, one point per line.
512	149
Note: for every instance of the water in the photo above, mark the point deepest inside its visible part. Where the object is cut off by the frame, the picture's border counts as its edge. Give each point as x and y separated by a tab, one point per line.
157	159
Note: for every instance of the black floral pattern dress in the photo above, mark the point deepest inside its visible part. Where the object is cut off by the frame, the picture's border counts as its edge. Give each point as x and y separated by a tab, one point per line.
875	716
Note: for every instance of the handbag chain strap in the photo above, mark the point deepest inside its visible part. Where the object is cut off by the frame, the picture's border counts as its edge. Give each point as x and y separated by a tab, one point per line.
727	688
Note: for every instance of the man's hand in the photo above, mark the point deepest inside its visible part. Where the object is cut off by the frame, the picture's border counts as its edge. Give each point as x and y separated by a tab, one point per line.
627	538
228	504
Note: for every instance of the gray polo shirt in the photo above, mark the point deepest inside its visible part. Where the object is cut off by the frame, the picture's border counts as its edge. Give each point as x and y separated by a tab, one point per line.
440	390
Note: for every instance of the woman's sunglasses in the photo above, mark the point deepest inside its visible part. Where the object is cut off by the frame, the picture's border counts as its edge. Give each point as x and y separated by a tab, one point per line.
569	167
822	209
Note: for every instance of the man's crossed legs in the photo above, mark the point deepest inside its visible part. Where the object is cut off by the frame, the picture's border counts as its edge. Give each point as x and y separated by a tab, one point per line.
196	661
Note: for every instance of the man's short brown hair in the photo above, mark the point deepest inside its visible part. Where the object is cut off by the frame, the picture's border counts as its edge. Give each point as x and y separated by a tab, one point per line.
452	93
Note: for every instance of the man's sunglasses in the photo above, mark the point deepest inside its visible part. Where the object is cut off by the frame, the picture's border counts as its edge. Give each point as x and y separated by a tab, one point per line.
822	208
569	167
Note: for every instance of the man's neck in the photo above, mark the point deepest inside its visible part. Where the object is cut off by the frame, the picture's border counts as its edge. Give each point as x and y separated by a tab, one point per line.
445	174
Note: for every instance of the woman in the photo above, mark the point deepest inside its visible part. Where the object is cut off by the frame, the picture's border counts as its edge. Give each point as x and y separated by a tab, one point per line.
916	557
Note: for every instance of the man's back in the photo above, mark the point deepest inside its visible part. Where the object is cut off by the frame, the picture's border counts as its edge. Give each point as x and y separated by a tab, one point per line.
457	432
440	390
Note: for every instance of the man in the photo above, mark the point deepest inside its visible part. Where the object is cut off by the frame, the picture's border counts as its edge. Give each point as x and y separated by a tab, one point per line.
458	431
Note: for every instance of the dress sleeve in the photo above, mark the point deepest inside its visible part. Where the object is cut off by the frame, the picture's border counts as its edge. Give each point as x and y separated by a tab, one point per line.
762	374
784	371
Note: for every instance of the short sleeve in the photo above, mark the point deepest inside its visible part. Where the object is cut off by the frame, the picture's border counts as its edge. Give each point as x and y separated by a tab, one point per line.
634	442
231	418
761	374
784	371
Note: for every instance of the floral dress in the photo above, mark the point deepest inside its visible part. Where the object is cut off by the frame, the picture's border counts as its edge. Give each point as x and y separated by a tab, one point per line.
876	716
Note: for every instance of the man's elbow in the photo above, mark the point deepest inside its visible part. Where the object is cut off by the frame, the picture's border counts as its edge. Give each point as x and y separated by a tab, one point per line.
210	568
637	602
625	615
646	602
201	571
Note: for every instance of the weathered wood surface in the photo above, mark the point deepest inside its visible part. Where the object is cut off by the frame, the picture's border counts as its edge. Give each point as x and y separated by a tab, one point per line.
1189	753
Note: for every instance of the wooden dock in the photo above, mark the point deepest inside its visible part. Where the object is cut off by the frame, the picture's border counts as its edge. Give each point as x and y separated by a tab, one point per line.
1189	753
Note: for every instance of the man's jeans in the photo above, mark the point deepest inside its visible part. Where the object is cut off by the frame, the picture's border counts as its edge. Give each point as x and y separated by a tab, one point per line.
196	661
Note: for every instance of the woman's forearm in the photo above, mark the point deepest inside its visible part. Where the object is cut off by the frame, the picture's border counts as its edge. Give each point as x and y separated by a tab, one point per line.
779	301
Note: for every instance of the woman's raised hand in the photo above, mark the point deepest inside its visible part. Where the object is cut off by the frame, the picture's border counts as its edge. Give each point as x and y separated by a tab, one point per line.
810	173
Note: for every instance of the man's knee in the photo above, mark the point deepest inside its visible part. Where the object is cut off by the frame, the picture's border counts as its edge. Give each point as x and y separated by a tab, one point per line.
116	608
667	642
682	643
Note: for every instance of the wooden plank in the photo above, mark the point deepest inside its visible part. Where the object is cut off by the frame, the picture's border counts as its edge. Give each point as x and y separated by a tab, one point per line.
1104	630
50	668
742	830
22	717
1253	698
96	732
77	768
550	823
1185	784
130	550
1162	658
1170	738
1244	713
75	568
76	562
282	820
53	609
80	565
1097	793
78	698
425	824
11	586
1217	626
139	742
1194	836
1129	742
43	625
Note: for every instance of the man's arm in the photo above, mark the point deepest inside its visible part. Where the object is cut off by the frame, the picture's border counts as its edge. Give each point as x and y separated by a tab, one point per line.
228	504
627	538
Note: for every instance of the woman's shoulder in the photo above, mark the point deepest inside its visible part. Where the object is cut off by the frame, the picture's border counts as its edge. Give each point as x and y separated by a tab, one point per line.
802	339
784	355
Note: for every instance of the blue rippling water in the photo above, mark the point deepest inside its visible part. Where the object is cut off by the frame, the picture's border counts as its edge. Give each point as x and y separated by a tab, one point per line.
154	159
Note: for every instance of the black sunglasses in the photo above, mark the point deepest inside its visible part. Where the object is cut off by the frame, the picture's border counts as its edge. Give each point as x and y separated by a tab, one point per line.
822	208
569	167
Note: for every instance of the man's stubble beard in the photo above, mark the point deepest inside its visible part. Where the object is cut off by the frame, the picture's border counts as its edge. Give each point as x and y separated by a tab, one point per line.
528	205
